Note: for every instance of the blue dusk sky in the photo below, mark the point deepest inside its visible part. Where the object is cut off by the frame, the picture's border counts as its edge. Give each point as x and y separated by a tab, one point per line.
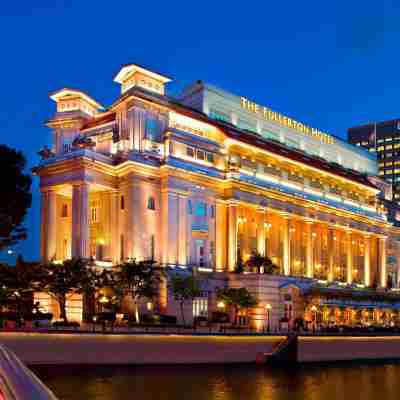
331	64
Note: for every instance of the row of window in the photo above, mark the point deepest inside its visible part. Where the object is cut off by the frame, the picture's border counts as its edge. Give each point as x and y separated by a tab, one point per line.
200	209
389	164
151	203
200	154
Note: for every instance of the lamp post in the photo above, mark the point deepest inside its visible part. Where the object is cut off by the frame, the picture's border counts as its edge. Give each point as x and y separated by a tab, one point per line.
221	307
268	308
314	311
94	323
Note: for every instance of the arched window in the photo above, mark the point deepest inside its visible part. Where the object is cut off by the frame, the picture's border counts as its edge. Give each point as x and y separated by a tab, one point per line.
201	209
64	211
151	204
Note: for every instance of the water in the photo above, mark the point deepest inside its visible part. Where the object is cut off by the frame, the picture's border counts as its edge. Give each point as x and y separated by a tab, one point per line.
340	381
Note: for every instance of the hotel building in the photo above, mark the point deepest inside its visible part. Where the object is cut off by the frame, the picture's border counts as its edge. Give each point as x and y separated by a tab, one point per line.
204	179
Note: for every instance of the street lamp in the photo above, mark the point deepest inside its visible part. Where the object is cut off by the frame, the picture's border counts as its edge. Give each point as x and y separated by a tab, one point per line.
314	310
268	308
221	305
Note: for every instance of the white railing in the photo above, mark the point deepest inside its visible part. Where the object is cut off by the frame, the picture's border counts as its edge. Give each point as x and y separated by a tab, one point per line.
18	382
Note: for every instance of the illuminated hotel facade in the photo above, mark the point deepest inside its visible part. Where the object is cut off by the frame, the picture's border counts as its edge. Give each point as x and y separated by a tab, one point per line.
207	178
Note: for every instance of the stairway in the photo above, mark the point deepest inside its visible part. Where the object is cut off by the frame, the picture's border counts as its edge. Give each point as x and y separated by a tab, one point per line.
284	353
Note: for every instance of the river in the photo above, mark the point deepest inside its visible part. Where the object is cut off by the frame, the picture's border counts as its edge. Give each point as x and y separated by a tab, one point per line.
245	382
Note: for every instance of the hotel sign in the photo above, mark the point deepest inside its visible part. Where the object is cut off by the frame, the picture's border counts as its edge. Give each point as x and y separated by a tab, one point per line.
287	122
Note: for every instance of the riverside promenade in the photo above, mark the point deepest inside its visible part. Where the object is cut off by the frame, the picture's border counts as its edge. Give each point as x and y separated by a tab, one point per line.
131	349
161	349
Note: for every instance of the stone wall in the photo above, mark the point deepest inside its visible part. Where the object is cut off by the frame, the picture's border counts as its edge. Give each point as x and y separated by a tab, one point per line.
41	348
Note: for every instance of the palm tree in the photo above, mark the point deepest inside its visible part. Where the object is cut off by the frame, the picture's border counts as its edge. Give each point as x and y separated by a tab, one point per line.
257	261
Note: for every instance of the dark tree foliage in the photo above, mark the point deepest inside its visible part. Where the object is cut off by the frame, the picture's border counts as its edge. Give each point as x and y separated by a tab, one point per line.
184	288
15	196
137	280
257	261
63	280
18	284
238	298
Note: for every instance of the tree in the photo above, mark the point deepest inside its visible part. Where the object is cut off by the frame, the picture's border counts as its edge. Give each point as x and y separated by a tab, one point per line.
239	267
97	279
18	284
137	280
61	281
15	196
238	298
257	261
184	288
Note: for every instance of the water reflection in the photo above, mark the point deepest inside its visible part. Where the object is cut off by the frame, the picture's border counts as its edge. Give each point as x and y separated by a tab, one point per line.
346	381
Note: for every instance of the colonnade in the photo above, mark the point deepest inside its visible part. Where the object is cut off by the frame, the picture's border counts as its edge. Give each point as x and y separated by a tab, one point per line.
79	236
306	247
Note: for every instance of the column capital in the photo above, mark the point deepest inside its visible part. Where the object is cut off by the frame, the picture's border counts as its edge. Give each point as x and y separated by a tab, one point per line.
261	210
233	203
47	189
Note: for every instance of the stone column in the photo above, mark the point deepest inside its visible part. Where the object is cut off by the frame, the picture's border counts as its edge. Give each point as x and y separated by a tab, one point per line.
261	231
349	257
169	227
367	260
286	245
309	250
182	229
80	220
330	253
382	262
49	223
232	235
220	236
114	228
43	219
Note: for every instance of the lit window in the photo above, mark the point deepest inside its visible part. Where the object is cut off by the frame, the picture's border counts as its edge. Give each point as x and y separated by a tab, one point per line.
388	147
122	204
201	209
190	207
153	130
200	154
64	211
219	115
189	151
210	157
93	215
200	307
151	204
